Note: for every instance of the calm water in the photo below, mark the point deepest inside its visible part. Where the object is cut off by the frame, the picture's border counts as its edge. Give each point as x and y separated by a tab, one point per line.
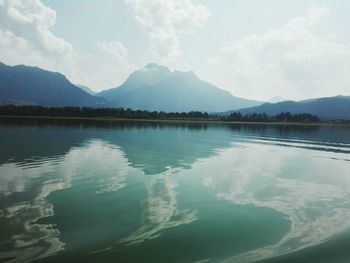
138	192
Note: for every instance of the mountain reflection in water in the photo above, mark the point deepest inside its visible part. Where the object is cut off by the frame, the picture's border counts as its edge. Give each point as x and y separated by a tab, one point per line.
175	192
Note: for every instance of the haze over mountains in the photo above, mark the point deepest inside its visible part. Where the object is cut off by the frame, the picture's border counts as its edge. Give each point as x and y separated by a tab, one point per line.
156	88
152	88
337	107
87	89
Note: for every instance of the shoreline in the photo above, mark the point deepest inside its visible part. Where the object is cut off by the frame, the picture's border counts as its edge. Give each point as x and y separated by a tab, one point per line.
172	120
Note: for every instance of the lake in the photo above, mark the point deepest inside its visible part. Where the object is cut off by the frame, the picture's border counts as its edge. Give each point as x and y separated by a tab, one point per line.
99	191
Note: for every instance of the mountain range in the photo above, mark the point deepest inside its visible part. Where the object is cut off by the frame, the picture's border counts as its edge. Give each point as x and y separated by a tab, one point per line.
156	88
152	88
328	108
23	85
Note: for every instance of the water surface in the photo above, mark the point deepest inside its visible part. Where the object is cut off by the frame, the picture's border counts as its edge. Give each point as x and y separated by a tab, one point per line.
156	192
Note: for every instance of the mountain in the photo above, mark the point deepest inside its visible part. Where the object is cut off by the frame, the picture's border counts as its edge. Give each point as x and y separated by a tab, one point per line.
276	99
337	107
31	85
156	88
87	89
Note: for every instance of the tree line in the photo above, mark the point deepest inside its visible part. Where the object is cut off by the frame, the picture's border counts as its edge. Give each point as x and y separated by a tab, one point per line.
282	117
121	113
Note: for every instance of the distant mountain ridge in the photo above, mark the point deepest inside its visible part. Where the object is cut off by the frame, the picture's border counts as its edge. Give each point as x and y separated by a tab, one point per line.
87	89
156	88
152	88
34	86
327	108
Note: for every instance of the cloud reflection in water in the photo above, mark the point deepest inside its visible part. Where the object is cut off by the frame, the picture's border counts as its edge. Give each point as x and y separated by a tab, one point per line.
160	211
313	194
35	180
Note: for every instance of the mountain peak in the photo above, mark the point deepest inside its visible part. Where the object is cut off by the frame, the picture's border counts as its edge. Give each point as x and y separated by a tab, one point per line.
155	66
157	88
187	74
151	65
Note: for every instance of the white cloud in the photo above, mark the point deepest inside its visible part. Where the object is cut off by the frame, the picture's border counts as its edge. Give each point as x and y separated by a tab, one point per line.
113	63
25	28
164	21
26	38
292	61
116	49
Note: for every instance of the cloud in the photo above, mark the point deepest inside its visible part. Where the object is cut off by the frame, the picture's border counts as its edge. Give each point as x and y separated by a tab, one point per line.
26	38
164	21
25	33
31	21
116	49
292	61
113	63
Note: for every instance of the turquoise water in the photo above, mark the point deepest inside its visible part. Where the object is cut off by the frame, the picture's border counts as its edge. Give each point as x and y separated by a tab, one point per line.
148	192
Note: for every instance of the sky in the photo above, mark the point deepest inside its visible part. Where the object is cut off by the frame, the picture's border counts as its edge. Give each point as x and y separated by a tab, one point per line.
255	49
